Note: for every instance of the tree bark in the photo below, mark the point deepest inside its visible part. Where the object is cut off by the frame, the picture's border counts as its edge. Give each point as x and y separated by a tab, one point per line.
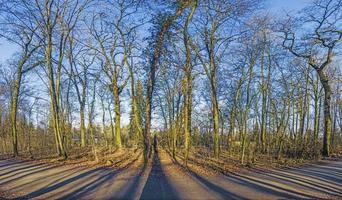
188	84
52	89
152	73
117	111
112	131
14	109
317	111
83	130
327	116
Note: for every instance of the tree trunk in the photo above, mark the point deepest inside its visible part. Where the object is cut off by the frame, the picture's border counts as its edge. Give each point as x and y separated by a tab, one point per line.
117	116
317	110
14	109
166	24
303	110
327	116
54	96
112	131
216	124
263	106
213	90
188	84
83	130
246	113
135	110
91	125
104	122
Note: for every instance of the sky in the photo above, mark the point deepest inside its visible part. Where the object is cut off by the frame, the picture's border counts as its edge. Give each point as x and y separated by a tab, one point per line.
6	50
289	5
274	6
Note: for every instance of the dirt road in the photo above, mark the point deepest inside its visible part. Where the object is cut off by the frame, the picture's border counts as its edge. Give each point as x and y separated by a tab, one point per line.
165	180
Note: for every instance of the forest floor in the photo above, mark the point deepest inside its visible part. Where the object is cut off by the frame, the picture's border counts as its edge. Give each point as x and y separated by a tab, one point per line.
165	178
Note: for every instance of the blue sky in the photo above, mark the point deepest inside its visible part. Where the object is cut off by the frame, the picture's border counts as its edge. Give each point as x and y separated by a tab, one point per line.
6	50
279	5
275	6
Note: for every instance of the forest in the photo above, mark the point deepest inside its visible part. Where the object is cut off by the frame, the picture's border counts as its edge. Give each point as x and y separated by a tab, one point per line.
217	84
222	76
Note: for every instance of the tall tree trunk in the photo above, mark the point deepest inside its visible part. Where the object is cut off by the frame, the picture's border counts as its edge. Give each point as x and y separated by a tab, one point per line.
135	111
136	119
91	119
317	110
104	122
112	132
215	122
303	109
14	109
327	116
152	73
188	84
263	106
232	126
175	114
83	129
53	93
211	73
30	132
233	113
117	116
246	113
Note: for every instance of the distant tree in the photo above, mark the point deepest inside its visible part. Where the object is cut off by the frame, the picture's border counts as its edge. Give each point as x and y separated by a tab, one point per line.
24	34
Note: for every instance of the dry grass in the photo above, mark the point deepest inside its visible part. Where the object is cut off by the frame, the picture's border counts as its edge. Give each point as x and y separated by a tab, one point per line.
203	161
107	157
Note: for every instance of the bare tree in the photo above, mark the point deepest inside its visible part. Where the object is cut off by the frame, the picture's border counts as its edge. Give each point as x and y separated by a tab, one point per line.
22	33
157	50
317	46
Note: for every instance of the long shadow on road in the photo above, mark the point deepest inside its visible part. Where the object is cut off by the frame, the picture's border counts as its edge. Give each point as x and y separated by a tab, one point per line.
233	185
77	185
131	191
6	164
13	169
158	185
25	173
316	184
156	181
108	176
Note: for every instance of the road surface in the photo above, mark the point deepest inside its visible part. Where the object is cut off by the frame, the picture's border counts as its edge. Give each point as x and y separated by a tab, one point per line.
165	180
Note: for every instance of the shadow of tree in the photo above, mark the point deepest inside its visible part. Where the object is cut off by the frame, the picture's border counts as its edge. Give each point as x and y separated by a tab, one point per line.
23	173
302	181
131	191
103	173
92	186
152	182
220	191
158	185
16	169
268	187
252	184
55	186
56	176
10	163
